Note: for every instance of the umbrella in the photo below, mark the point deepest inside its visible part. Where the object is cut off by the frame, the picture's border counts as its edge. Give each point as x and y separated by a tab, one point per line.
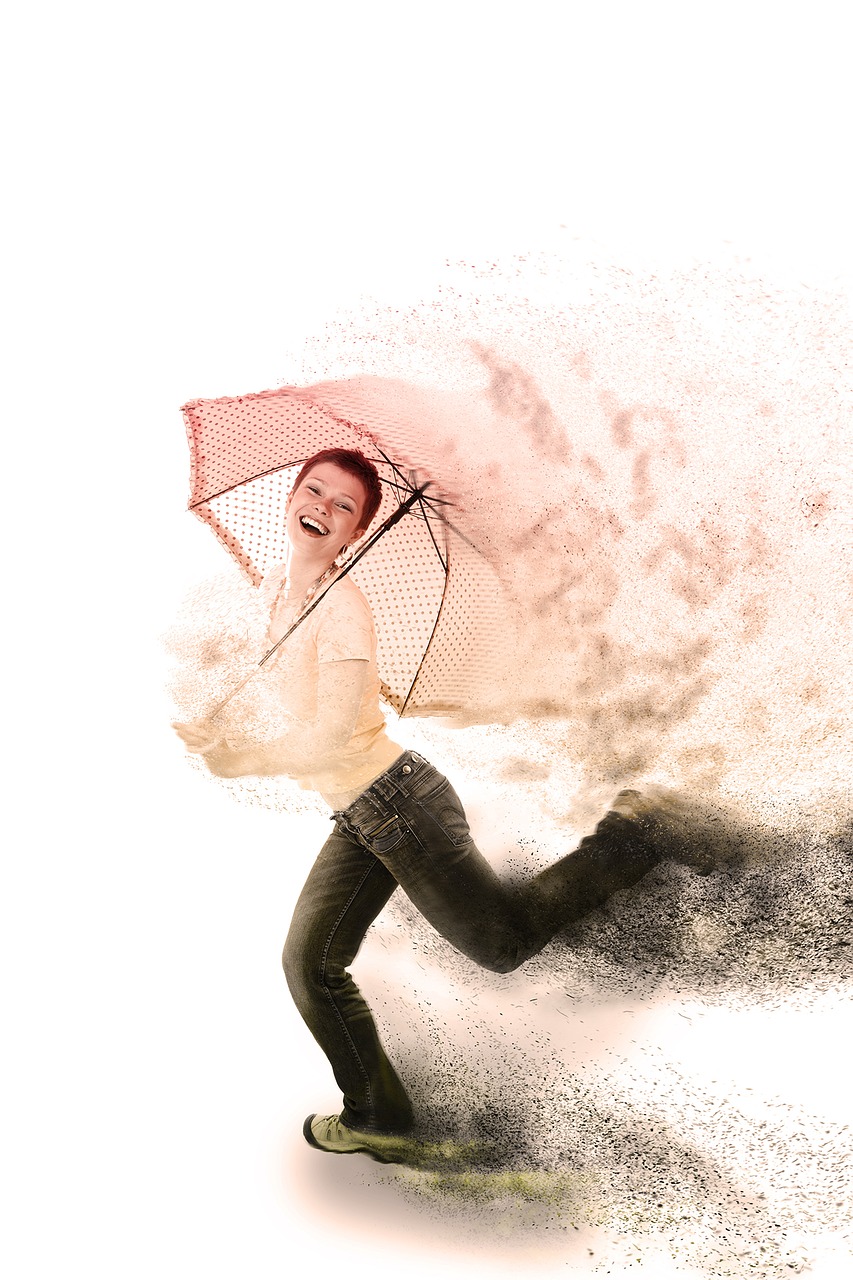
437	603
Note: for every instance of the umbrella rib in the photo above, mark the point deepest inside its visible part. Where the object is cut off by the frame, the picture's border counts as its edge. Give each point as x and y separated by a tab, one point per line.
432	633
295	462
390	462
458	532
238	484
432	535
409	486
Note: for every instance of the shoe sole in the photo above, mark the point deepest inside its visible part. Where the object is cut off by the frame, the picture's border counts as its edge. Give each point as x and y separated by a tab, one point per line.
365	1150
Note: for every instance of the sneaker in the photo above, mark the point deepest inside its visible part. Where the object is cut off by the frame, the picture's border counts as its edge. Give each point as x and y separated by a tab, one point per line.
684	829
329	1133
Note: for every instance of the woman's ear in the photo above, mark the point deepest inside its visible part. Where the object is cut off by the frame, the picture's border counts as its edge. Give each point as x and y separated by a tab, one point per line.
348	546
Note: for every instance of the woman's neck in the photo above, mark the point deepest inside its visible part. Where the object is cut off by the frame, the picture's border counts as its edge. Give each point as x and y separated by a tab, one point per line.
301	573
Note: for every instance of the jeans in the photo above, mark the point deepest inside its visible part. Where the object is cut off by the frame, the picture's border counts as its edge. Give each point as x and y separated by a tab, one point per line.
409	829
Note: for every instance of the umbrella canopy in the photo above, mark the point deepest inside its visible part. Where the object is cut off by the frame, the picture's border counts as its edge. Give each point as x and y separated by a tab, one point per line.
437	603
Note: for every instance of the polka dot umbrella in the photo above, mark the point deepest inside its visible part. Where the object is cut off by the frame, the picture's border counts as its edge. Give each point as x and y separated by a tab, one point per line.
439	613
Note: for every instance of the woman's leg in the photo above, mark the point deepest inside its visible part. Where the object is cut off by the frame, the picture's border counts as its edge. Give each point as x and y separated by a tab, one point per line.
409	828
345	891
412	820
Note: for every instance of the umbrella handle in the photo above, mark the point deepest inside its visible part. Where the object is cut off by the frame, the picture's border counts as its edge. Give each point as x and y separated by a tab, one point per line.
211	715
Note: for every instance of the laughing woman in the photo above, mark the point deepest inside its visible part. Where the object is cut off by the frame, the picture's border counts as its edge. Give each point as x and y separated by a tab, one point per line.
397	820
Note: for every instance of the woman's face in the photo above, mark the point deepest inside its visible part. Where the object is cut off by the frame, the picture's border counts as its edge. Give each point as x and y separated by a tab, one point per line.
324	513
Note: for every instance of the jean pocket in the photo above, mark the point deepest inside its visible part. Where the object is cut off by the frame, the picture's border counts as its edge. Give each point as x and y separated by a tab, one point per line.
384	835
444	807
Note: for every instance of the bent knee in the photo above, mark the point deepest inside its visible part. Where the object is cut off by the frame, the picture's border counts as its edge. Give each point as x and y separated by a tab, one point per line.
503	961
309	969
302	968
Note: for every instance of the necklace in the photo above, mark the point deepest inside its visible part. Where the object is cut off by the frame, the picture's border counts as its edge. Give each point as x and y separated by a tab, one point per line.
315	586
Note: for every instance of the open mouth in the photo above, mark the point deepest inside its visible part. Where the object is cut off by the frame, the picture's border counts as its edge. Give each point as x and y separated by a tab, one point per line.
313	527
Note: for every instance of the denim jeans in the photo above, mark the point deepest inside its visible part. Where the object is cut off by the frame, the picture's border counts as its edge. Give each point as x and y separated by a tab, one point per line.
409	829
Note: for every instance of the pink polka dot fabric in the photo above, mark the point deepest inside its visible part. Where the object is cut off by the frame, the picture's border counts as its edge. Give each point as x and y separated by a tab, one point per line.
436	602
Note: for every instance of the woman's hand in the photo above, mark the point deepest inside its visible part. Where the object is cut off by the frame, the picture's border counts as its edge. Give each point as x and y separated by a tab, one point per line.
308	746
221	757
198	736
227	761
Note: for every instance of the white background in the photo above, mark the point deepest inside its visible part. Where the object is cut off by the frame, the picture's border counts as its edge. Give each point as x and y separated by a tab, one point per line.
194	192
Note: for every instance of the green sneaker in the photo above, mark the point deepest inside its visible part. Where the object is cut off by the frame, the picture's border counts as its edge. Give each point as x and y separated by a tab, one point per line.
329	1133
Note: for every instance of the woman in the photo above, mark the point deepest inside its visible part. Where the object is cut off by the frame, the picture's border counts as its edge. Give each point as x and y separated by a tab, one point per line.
397	821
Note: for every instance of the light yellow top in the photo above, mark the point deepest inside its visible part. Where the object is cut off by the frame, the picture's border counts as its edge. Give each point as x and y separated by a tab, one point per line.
339	629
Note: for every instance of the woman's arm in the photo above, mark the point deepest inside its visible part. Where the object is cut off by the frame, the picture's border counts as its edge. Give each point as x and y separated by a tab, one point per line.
307	746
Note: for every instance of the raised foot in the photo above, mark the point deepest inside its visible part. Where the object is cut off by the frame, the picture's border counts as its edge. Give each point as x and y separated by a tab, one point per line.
695	832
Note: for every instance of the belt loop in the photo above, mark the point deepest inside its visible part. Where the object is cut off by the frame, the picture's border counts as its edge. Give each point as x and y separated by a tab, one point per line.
385	786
